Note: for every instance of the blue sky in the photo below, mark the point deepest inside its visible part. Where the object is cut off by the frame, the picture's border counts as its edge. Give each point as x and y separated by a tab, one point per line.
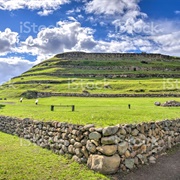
32	31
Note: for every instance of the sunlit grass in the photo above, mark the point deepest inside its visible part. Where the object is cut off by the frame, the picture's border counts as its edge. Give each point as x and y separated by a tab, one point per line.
20	159
99	111
93	85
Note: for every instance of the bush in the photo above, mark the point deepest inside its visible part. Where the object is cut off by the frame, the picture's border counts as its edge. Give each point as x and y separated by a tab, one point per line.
30	94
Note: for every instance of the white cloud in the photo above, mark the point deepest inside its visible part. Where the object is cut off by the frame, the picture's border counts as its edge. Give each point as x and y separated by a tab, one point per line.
46	6
45	12
8	41
73	11
111	7
124	16
11	67
59	39
71	36
168	43
71	18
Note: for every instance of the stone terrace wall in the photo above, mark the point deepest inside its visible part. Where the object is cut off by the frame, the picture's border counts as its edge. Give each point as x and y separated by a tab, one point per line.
107	150
83	55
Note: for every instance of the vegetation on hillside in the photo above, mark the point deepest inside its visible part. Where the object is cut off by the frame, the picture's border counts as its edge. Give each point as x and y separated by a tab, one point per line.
126	75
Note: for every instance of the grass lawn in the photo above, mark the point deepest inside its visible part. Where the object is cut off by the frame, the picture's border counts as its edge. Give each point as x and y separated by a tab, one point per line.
20	159
99	111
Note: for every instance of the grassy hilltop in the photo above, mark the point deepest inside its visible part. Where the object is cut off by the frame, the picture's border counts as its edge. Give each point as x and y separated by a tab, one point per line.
99	73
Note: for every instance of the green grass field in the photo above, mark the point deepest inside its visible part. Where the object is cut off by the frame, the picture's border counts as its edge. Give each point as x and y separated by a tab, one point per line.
20	159
99	111
16	87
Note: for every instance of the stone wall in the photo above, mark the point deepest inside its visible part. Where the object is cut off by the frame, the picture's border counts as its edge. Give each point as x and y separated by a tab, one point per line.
107	150
111	76
101	56
49	94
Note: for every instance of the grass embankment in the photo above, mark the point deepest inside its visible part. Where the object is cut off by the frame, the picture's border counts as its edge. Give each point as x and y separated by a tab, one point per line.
16	87
20	159
99	111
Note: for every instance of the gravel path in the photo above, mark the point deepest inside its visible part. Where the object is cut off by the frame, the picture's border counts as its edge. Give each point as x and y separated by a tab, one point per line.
167	167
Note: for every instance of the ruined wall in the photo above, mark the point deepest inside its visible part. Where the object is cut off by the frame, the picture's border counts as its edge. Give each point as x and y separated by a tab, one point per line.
105	75
107	150
98	56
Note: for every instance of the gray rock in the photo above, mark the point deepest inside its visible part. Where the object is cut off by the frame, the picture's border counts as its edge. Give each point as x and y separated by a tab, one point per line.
64	148
99	129
111	130
129	163
71	149
122	147
95	136
135	132
108	150
75	158
110	140
74	132
83	142
66	143
87	127
152	160
78	152
169	142
95	142
61	152
90	147
157	103
142	158
77	145
85	152
104	164
122	131
142	137
72	141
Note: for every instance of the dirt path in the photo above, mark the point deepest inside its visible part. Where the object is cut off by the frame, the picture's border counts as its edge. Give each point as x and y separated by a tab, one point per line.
167	167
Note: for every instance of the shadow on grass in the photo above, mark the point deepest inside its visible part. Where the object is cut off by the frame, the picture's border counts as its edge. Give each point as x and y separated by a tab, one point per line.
2	106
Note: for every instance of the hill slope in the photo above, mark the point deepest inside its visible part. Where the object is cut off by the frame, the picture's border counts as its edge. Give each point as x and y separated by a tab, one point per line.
97	73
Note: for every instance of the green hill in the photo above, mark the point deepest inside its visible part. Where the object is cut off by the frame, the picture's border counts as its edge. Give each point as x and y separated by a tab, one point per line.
99	73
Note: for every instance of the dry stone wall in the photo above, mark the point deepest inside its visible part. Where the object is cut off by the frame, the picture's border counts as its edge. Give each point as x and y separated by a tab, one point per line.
102	56
107	150
110	76
49	94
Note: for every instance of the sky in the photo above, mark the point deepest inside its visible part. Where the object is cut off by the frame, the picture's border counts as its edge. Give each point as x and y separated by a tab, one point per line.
34	30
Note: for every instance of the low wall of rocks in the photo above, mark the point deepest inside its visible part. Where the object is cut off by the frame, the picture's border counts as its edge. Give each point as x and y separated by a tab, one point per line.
110	76
49	94
102	56
107	150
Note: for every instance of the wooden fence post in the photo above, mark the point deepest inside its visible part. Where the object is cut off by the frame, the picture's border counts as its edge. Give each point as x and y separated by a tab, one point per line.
52	108
73	107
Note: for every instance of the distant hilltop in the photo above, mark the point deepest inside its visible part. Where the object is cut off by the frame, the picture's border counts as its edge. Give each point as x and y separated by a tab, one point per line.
84	55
